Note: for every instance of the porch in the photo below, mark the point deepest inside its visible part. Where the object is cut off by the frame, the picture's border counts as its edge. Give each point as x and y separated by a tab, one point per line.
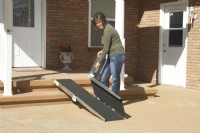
33	86
175	110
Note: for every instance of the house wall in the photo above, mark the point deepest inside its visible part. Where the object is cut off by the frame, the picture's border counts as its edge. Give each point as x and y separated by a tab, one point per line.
148	49
1	11
147	67
131	37
193	53
70	17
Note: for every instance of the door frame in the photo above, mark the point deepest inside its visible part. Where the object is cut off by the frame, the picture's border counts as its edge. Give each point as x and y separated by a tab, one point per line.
161	37
43	30
43	34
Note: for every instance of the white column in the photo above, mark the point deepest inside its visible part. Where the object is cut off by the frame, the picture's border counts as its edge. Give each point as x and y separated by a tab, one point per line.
119	18
119	26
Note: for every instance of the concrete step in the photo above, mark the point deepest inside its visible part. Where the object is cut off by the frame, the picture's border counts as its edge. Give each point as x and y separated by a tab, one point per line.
44	92
138	92
34	98
28	85
37	97
1	85
56	96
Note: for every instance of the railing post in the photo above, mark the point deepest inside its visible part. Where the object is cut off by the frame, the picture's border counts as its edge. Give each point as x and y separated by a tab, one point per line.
5	55
7	66
1	39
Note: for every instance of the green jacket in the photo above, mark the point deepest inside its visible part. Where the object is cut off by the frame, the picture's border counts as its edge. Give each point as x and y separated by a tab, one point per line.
110	40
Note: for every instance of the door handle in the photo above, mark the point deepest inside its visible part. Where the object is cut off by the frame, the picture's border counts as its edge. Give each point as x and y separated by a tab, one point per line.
164	48
9	30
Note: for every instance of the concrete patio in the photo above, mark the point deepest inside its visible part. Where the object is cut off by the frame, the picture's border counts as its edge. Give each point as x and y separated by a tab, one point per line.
174	110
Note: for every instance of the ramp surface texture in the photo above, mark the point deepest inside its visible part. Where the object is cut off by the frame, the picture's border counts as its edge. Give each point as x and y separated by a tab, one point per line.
90	102
102	92
107	96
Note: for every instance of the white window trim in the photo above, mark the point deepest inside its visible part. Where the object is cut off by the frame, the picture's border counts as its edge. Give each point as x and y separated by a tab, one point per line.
89	26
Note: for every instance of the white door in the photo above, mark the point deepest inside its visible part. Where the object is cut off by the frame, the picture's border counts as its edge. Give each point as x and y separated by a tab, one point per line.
23	22
173	68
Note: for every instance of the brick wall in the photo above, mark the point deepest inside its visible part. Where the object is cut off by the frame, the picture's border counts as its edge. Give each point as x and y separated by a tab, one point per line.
148	41
141	38
193	53
69	18
148	25
131	37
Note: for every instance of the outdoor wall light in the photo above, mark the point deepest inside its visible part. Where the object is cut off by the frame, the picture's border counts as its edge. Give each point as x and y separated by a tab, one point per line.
192	14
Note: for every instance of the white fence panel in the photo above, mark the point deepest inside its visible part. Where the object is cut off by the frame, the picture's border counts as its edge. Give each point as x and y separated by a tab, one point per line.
6	61
1	51
7	79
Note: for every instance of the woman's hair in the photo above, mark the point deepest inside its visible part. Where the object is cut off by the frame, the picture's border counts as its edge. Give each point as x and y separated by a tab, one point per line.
99	16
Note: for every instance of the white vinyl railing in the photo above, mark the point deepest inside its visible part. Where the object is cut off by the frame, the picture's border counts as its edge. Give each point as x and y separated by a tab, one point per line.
2	36
6	61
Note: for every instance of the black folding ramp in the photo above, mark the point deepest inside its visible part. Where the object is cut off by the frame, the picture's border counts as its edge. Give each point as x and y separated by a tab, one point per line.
102	92
107	96
89	101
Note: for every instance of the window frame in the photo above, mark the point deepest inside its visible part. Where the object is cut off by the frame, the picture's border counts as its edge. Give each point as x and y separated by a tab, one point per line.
90	18
175	29
30	23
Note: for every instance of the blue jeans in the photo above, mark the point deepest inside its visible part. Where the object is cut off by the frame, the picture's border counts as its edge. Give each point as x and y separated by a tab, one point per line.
113	67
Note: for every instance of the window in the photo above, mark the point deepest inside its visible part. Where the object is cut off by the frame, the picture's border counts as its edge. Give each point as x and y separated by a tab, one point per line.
108	8
176	29
23	13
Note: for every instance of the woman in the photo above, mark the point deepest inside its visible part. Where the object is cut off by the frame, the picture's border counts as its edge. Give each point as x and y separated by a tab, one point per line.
112	47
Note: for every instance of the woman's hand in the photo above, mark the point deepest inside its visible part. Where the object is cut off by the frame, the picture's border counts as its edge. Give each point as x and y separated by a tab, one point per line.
99	53
97	65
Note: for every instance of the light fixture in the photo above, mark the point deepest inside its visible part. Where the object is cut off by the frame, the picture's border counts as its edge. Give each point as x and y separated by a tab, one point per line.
192	14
